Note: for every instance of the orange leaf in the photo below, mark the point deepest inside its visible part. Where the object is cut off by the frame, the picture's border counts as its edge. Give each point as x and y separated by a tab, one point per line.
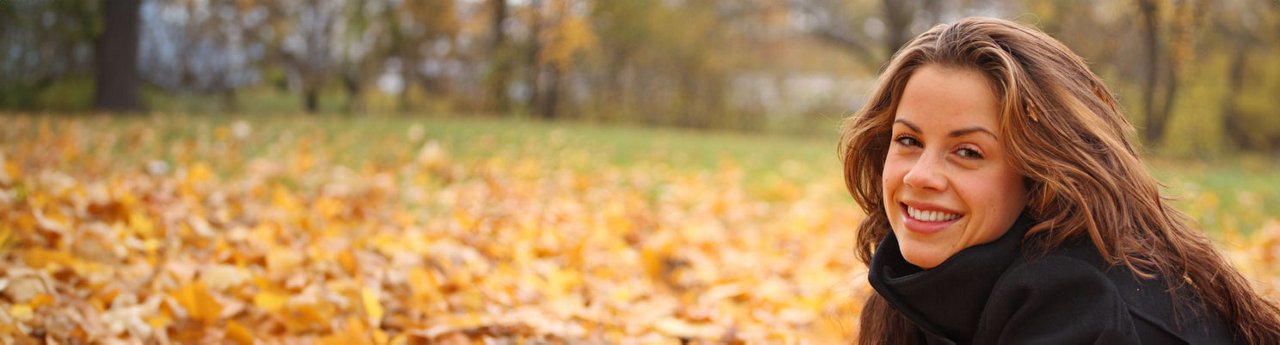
348	262
41	258
41	299
308	317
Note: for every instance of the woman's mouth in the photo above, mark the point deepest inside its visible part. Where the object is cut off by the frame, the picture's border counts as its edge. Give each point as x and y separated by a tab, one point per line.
930	216
927	221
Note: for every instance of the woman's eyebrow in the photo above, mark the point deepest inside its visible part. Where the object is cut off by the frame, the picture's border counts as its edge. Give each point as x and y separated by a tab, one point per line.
956	133
909	124
969	130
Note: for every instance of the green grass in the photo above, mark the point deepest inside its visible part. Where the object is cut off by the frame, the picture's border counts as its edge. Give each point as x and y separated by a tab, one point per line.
1228	194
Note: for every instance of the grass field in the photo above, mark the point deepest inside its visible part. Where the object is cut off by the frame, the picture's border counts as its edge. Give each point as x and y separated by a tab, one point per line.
449	230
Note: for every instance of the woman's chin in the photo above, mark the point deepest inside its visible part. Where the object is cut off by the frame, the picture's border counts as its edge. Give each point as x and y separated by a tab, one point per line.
925	260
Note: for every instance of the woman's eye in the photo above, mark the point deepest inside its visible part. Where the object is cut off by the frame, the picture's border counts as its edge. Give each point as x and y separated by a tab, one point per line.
969	153
907	141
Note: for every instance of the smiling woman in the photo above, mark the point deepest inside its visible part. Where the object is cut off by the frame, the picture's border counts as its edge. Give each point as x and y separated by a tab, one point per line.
1006	205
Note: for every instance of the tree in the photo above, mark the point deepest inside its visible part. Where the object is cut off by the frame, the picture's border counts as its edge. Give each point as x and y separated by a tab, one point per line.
361	40
561	37
118	81
502	59
419	32
665	63
853	25
309	48
45	43
215	48
1249	32
1164	66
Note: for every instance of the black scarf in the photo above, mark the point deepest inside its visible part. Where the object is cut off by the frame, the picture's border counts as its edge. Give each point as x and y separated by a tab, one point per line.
947	300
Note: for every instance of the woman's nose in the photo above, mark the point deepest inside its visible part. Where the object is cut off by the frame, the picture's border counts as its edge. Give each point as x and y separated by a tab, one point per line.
926	173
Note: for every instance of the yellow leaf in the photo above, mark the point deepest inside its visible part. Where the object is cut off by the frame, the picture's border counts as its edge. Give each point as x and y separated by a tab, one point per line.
281	198
199	173
198	302
159	320
142	224
328	207
372	307
21	312
425	287
399	339
238	333
270	301
561	282
6	236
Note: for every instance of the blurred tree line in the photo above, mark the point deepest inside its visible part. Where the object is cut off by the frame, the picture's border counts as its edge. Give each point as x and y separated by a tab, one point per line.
1196	76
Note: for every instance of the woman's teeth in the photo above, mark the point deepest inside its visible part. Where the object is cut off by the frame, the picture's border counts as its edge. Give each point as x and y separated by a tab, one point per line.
930	216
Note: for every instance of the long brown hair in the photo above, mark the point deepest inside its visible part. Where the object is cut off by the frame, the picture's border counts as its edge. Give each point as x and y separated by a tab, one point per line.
1071	143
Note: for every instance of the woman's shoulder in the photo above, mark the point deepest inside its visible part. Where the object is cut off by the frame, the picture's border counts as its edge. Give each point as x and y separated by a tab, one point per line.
1055	299
1075	279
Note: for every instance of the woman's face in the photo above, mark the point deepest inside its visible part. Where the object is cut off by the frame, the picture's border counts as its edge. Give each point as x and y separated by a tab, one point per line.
948	184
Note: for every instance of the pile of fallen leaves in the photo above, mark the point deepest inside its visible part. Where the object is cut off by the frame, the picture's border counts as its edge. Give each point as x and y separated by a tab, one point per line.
189	231
131	235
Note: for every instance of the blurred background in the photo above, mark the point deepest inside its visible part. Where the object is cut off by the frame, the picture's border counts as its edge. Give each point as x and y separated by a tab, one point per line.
1197	77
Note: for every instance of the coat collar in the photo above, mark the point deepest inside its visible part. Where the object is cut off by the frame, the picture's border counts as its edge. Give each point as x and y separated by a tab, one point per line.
946	301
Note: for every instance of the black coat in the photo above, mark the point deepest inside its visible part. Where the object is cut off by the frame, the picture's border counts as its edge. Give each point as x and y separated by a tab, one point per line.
997	293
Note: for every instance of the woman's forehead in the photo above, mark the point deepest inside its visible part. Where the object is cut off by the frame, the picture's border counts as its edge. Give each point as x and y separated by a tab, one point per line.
936	94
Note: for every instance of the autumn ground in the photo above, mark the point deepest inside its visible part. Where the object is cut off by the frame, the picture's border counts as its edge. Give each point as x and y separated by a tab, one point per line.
175	229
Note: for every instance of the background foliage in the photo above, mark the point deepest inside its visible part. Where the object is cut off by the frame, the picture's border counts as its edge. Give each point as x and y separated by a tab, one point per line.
1195	75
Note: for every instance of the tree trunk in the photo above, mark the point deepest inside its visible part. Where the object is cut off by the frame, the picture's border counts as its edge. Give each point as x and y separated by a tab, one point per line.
1163	113
1154	122
407	73
897	20
311	99
117	75
548	108
500	69
1236	134
499	16
351	82
535	65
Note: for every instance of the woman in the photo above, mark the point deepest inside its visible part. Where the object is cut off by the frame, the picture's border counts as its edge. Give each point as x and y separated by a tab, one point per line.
1006	204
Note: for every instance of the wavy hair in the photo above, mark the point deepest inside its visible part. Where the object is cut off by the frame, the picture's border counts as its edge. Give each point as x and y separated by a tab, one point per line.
1071	143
